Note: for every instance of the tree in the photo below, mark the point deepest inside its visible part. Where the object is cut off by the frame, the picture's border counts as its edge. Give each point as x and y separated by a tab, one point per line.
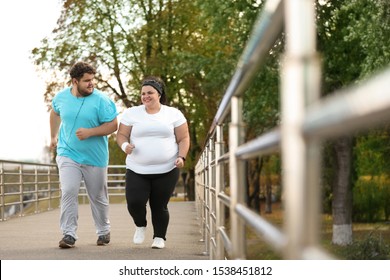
354	40
127	40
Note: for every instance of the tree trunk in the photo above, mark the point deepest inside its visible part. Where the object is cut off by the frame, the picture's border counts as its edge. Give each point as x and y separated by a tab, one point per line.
342	193
253	183
268	187
190	186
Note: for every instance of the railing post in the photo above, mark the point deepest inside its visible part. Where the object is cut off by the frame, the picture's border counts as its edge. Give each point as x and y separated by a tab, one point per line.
300	85
237	179
21	184
36	193
211	198
219	187
49	186
199	194
205	202
2	190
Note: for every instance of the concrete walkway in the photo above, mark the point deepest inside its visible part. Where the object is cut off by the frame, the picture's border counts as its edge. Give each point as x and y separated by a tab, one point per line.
36	237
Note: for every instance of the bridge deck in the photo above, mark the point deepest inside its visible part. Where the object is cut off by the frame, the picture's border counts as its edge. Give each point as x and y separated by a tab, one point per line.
36	237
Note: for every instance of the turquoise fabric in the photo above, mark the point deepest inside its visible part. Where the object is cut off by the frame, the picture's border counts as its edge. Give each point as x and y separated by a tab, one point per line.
83	112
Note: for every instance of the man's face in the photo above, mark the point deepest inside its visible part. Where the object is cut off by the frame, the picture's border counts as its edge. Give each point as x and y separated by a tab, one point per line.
86	84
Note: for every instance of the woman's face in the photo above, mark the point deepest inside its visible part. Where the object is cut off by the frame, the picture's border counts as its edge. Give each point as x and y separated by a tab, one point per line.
150	96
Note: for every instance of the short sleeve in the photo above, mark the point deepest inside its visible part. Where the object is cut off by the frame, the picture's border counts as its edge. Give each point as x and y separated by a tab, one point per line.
179	118
107	110
126	117
55	106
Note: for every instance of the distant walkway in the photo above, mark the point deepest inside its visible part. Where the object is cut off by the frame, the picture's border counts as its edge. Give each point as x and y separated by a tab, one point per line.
36	237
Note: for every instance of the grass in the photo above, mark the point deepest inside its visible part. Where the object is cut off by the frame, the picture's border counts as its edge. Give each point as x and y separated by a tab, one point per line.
370	240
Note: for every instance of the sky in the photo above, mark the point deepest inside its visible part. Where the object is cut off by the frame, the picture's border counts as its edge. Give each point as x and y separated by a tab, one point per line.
24	120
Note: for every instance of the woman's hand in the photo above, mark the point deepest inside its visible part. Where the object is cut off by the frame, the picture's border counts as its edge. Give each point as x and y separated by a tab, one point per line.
179	162
128	149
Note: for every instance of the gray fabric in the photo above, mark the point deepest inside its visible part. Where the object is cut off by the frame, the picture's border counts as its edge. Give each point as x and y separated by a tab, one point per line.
95	178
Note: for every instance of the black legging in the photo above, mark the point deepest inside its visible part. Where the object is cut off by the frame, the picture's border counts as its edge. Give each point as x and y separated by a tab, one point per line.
158	189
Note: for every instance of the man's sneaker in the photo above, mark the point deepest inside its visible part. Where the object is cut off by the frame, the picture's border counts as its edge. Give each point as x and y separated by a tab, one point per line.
103	239
158	243
139	235
67	241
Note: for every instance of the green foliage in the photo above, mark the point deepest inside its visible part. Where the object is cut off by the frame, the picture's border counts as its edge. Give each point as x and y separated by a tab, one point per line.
117	156
373	153
372	161
373	247
385	194
354	40
367	201
261	102
369	26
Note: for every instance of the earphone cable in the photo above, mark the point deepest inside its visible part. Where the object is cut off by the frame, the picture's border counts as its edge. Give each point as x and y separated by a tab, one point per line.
74	123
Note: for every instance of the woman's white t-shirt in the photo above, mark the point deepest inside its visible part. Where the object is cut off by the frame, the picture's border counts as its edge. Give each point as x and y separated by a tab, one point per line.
154	139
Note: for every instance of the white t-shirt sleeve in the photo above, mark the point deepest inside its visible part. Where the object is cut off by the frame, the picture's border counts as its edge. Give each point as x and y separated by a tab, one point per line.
180	119
127	116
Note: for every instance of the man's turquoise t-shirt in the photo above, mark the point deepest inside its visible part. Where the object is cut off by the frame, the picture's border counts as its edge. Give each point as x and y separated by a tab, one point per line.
85	112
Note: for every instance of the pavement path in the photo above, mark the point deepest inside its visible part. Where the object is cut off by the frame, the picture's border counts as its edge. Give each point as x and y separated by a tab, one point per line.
36	237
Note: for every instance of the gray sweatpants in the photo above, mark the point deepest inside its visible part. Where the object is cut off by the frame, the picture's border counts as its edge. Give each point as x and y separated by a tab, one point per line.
95	178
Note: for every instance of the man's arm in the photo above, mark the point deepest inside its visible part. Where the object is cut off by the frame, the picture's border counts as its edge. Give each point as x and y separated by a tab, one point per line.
101	130
55	121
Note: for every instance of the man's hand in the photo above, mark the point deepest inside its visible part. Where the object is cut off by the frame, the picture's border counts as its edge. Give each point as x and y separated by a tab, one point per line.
53	143
83	133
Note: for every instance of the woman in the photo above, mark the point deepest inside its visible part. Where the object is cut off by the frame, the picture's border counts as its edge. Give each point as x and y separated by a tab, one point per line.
156	140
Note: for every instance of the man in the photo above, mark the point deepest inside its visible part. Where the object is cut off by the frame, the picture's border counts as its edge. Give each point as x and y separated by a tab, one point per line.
82	117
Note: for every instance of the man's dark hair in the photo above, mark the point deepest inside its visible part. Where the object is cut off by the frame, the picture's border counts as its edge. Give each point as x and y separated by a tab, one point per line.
79	69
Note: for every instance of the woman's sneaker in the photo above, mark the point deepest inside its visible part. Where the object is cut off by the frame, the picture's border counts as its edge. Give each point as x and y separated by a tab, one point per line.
158	243
67	241
139	235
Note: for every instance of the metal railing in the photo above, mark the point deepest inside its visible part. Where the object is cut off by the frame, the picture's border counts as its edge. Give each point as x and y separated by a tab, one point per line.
27	185
116	178
306	120
29	188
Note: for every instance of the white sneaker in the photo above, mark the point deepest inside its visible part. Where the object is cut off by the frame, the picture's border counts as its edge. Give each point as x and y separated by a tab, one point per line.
139	235
158	243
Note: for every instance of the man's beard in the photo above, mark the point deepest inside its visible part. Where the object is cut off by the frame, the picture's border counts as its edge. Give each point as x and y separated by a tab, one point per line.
84	93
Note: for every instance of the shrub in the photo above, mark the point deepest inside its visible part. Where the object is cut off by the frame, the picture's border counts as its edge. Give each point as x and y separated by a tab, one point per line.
370	248
385	194
367	201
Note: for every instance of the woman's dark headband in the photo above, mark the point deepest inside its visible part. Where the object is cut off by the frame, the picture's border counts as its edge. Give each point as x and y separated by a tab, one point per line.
154	84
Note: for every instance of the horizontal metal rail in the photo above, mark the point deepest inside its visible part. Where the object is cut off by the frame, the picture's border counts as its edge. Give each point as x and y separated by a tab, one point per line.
265	144
29	188
355	108
27	185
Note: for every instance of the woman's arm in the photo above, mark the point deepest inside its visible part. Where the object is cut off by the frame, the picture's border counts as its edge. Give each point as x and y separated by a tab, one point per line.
123	138
183	141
